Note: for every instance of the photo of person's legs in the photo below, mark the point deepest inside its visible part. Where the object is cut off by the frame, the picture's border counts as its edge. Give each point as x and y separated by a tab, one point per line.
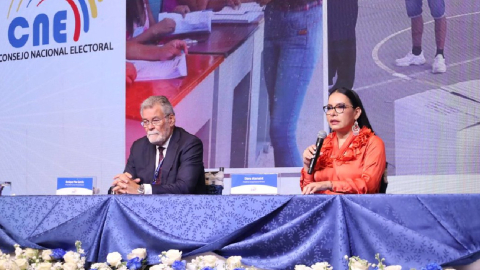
292	46
437	9
417	34
345	52
342	42
332	64
416	56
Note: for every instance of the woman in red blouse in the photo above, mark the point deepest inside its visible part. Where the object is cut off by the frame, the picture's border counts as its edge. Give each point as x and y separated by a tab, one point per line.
352	158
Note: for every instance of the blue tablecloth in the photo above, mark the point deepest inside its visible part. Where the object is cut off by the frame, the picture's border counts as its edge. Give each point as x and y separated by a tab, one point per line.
272	232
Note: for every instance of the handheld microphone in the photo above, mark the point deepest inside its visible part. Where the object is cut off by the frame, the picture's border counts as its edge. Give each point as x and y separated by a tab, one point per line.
321	136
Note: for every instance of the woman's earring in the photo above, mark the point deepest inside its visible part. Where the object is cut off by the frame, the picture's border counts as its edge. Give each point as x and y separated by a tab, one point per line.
355	129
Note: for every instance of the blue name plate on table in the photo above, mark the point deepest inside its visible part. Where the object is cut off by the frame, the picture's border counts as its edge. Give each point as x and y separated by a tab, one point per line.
254	184
75	186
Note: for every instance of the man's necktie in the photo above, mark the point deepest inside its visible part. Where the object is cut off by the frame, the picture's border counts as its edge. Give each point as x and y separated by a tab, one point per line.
158	169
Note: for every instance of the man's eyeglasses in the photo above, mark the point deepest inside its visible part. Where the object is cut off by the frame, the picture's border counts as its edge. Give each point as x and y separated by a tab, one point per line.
339	108
156	121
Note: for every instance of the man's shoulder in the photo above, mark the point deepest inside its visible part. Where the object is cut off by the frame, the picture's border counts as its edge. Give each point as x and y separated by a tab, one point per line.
141	142
185	136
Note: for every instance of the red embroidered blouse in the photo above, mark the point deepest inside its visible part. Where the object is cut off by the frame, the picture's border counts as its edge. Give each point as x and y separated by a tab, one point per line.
357	167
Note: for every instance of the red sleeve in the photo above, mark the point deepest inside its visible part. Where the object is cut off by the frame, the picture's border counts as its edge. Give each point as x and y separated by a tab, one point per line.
319	173
305	178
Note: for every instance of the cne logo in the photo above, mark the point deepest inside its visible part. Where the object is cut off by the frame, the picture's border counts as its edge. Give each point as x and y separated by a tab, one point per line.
39	29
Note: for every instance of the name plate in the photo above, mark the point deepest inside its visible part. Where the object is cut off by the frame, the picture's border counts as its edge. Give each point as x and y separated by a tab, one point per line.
75	185
254	184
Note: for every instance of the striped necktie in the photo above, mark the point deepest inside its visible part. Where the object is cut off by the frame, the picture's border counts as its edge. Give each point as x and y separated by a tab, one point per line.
158	171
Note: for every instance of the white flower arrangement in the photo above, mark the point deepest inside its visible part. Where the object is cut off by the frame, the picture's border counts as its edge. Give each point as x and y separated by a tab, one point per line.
381	266
34	259
46	255
136	260
169	257
357	263
114	259
58	259
317	266
140	253
172	260
169	260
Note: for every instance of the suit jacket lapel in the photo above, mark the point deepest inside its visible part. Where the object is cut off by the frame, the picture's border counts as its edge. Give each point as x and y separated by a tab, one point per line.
171	153
151	160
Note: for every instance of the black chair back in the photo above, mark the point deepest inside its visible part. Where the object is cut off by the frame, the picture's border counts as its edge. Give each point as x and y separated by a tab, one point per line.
383	181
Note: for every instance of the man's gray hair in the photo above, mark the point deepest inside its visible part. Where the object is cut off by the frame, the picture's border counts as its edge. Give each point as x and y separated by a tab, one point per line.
167	107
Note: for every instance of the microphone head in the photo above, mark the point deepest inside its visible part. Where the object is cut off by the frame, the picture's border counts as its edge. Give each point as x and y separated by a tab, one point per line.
322	134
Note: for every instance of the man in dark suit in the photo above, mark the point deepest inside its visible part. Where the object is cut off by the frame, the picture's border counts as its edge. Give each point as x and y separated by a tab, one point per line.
147	171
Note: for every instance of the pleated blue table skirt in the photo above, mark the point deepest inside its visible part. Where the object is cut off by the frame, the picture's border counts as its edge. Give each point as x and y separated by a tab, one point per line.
271	232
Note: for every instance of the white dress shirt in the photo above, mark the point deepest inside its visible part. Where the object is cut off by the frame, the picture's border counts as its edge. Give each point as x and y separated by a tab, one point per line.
148	187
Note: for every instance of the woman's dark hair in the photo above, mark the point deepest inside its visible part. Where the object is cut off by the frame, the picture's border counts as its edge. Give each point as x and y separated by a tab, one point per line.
134	11
356	102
